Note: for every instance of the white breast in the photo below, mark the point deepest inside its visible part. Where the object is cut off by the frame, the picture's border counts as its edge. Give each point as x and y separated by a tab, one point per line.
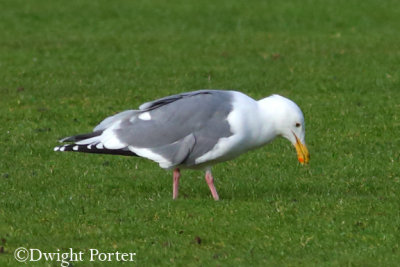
245	126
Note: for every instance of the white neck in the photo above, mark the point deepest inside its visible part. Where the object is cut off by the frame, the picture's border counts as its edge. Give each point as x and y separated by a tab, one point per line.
267	112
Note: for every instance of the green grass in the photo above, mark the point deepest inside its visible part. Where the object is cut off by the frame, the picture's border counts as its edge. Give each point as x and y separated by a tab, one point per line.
66	66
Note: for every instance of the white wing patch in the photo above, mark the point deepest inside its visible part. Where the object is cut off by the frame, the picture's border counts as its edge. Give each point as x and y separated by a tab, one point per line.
145	116
110	140
99	146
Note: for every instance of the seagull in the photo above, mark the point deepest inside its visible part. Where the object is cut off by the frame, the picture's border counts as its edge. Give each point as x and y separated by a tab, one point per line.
196	130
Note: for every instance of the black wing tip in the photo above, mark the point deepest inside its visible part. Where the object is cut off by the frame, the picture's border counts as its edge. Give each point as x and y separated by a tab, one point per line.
93	149
79	137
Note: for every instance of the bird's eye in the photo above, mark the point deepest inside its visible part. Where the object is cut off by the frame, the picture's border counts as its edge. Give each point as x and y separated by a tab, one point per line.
297	124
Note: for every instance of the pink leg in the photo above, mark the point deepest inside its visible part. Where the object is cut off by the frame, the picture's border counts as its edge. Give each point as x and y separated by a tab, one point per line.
175	188
210	182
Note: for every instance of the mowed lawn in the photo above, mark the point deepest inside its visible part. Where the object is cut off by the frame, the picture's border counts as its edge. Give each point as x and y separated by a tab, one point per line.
66	66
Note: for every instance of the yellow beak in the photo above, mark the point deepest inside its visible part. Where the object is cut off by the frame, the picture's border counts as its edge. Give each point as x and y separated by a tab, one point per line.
302	152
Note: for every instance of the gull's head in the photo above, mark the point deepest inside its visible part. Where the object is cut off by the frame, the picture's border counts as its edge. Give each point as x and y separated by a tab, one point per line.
289	123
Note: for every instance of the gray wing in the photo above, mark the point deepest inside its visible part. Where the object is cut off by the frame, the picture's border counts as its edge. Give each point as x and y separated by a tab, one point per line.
191	122
145	107
108	122
173	130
